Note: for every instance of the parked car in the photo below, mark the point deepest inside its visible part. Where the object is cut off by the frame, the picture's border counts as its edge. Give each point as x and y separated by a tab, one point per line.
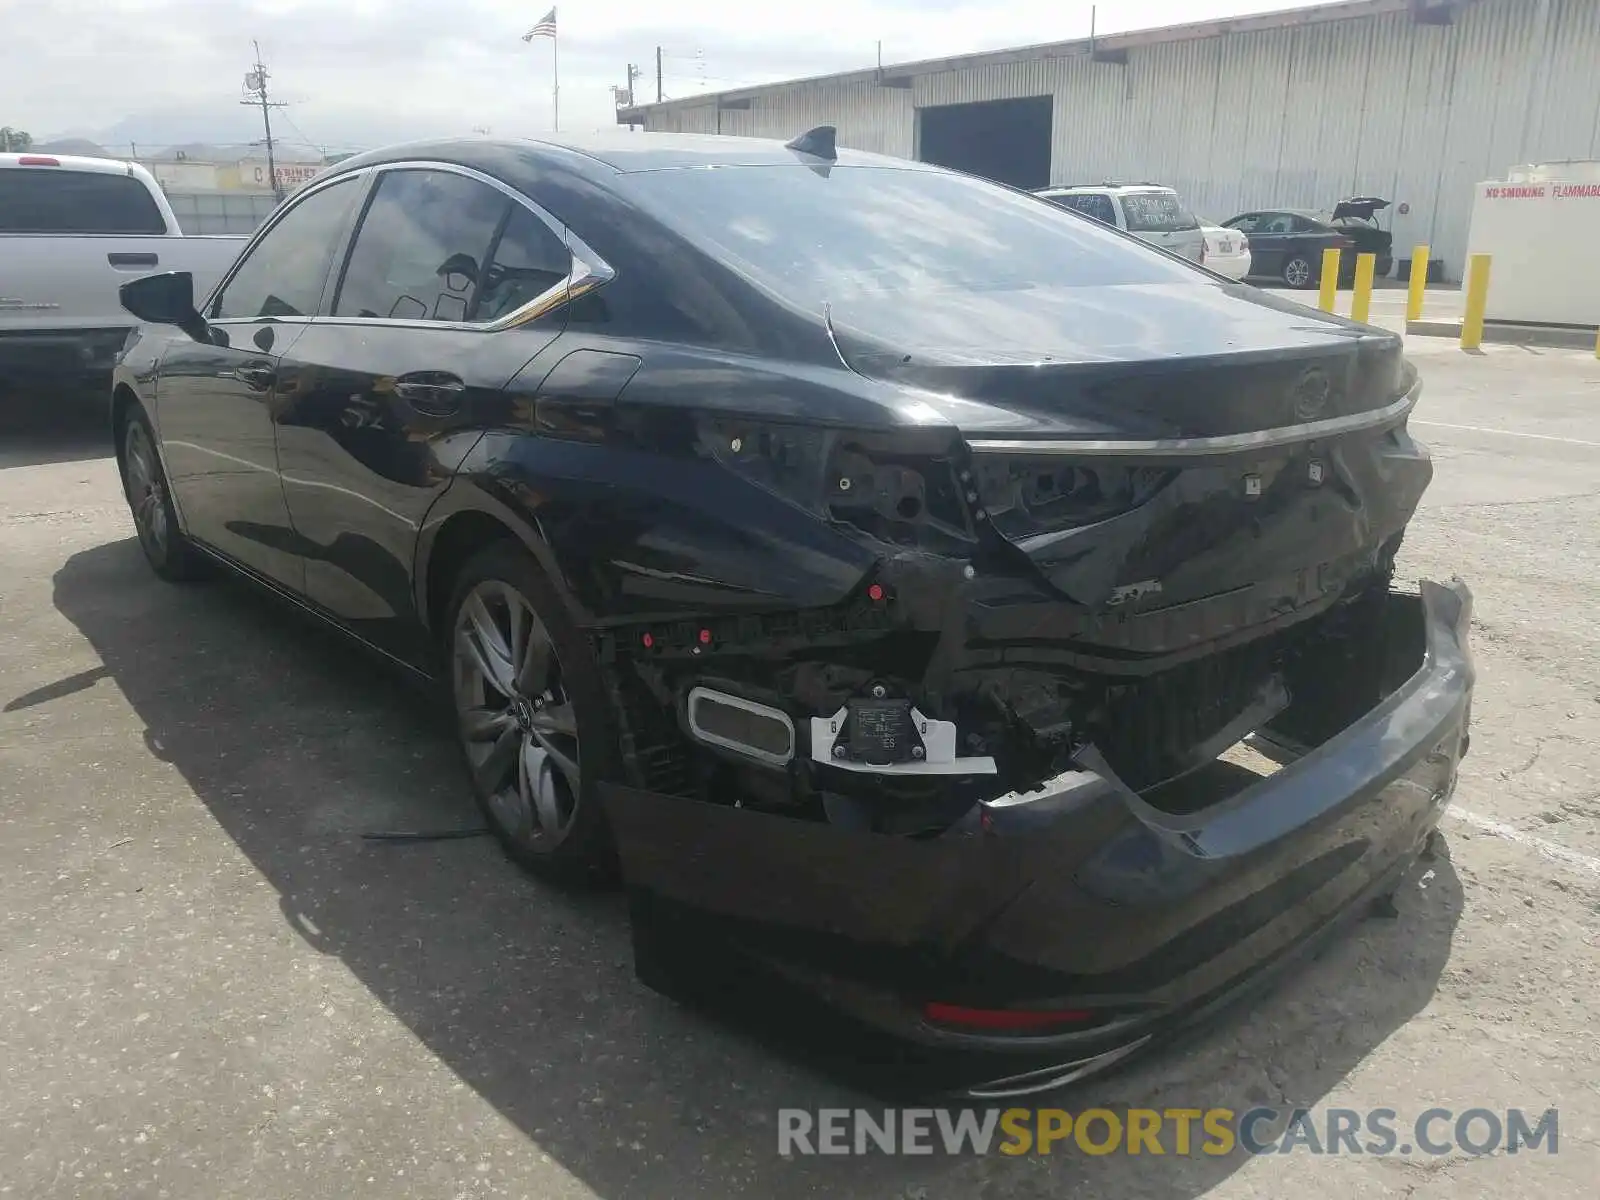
73	230
870	562
1151	213
1227	251
1288	244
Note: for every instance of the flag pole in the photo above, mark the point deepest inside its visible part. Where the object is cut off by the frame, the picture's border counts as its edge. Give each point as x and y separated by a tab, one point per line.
555	75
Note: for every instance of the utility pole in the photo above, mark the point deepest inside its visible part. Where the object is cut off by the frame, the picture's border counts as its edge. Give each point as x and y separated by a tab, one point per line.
660	95
255	86
632	96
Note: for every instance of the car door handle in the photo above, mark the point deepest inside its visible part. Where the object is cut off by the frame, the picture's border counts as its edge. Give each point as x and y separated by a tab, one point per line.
260	378
431	391
133	260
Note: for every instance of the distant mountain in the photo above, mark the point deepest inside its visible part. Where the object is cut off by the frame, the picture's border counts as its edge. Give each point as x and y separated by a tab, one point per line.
74	145
213	136
206	152
231	133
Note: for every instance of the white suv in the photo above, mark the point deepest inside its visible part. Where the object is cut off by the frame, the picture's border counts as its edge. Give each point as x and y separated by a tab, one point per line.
1150	212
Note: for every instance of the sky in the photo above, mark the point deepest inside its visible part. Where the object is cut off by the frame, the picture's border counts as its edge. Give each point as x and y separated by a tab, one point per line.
357	73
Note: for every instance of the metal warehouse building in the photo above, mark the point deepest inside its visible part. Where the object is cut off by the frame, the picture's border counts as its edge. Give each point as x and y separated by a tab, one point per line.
1411	100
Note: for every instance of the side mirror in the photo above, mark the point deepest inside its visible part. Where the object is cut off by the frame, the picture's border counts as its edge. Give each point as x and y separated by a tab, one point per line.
166	299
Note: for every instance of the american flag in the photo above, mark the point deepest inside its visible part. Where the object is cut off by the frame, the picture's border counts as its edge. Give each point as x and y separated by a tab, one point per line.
545	28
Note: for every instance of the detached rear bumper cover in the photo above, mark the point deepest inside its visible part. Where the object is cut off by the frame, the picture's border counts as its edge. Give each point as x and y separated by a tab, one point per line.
1086	899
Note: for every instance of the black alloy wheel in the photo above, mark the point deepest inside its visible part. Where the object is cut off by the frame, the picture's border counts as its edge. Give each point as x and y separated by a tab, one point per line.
144	482
531	716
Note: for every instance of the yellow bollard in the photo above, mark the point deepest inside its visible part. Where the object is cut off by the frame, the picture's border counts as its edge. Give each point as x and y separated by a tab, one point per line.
1330	280
1477	301
1419	283
1361	302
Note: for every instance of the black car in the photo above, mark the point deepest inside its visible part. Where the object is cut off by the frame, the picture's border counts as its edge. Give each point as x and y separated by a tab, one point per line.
925	597
1287	244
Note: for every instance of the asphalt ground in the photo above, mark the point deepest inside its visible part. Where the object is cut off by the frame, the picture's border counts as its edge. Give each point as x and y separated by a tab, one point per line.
211	985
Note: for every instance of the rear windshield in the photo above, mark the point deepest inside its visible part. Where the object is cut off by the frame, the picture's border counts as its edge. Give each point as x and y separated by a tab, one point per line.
819	234
1156	212
55	200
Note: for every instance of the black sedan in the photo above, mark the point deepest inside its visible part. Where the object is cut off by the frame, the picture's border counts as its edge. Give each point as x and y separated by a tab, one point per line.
1287	244
921	595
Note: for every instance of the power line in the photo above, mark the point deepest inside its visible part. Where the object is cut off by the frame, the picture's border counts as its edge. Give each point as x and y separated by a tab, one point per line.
698	62
304	140
717	79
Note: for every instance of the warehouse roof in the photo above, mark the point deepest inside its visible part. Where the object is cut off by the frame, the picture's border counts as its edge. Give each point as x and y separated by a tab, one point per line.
1111	48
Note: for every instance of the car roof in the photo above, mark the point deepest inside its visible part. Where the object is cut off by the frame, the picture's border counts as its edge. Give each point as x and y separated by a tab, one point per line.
1308	214
1084	188
608	153
35	160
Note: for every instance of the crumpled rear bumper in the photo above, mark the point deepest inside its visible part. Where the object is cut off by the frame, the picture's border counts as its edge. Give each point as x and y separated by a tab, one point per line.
1089	900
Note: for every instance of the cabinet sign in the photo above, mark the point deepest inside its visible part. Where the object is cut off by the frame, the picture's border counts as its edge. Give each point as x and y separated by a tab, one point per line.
289	174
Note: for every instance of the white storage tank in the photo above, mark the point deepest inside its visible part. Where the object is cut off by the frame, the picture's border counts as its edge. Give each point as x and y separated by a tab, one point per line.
1542	226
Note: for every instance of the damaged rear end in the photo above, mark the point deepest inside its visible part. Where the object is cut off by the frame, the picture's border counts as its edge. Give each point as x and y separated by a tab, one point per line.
1120	709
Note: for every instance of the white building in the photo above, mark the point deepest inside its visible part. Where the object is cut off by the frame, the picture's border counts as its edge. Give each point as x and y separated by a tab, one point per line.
1412	100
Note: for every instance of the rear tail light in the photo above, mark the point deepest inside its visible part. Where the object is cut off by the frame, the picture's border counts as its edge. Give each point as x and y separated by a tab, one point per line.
37	160
1003	1020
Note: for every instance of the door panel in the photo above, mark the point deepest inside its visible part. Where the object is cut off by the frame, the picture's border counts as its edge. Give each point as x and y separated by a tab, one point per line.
372	424
215	400
1266	253
383	399
215	411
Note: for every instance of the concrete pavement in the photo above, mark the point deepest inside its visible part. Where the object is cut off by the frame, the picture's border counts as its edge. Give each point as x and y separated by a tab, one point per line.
214	986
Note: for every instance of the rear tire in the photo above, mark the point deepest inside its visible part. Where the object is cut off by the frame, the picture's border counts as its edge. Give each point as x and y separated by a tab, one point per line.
1298	272
144	482
532	718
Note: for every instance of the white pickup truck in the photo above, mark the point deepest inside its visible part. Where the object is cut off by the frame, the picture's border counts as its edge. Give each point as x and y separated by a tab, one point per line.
73	231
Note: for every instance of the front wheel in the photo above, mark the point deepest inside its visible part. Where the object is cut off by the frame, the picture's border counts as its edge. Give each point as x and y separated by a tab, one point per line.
144	482
531	715
1298	273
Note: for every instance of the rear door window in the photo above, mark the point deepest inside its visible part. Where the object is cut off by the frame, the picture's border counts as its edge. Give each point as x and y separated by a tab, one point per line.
528	260
59	200
1156	212
422	248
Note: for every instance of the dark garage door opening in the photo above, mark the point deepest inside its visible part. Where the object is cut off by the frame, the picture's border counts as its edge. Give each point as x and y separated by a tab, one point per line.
1004	140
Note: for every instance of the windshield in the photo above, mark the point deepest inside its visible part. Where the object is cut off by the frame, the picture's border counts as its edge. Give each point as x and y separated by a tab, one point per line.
1156	212
852	232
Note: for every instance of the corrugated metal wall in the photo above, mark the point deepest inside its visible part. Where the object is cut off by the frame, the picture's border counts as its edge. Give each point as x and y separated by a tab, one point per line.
1299	116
